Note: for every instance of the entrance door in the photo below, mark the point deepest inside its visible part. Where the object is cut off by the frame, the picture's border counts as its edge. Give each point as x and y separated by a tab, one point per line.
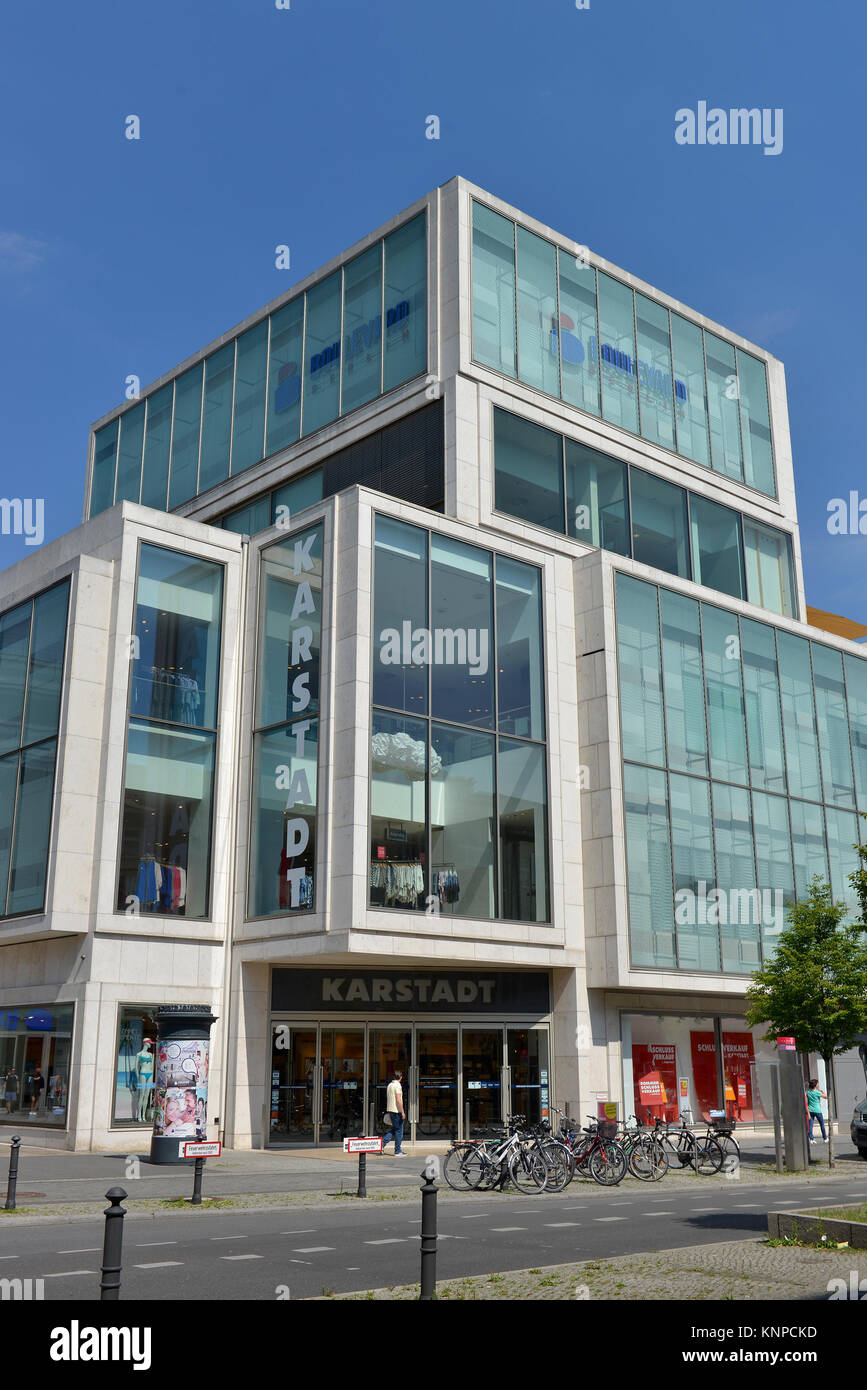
528	1064
342	1103
390	1050
482	1055
293	1083
437	1072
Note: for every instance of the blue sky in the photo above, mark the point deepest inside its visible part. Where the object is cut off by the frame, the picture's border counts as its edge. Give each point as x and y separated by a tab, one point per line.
307	126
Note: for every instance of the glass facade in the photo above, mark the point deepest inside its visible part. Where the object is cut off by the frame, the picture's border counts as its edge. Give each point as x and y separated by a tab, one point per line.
590	340
458	758
285	741
356	334
555	482
35	1059
32	654
165	851
738	743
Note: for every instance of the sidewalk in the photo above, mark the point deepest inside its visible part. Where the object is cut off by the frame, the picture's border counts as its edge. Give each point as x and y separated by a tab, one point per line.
742	1270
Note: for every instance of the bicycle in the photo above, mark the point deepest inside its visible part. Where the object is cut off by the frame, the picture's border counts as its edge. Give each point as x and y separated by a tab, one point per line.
645	1155
704	1155
596	1150
470	1164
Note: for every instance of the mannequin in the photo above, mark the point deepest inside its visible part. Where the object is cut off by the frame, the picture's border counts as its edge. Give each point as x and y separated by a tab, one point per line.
144	1070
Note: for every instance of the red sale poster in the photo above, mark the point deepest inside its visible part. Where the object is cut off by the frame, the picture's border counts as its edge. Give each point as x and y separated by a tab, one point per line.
738	1054
654	1071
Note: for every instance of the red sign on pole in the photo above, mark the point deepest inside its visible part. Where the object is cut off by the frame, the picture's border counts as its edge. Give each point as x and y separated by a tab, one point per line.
786	1044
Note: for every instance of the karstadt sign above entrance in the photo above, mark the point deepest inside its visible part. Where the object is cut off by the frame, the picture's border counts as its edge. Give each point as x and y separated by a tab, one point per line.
410	991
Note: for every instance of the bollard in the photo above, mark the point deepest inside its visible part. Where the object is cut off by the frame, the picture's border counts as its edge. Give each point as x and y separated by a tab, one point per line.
109	1284
362	1176
13	1173
198	1174
429	1191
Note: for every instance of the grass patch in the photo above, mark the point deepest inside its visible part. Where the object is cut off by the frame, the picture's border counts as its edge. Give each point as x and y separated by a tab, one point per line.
845	1213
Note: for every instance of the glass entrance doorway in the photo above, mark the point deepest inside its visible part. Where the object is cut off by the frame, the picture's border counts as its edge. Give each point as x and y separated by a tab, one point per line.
342	1101
329	1081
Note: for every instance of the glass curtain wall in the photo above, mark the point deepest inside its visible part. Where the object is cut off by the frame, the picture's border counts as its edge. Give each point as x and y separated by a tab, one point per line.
165	851
565	486
356	334
587	338
285	741
32	655
458	768
738	784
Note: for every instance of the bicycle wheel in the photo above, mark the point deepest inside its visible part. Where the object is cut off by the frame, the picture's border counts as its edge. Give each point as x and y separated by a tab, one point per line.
607	1164
707	1157
457	1169
647	1160
561	1165
528	1171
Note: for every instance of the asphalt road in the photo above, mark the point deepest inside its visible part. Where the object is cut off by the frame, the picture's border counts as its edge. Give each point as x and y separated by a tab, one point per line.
301	1254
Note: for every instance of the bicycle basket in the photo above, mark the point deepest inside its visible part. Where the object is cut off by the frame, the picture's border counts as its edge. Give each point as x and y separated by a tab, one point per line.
723	1126
607	1129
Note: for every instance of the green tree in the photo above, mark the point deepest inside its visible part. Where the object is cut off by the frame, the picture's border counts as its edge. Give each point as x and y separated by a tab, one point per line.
814	987
858	881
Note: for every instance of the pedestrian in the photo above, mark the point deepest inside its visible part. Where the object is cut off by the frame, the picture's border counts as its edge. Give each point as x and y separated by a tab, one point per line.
37	1086
395	1113
11	1090
814	1108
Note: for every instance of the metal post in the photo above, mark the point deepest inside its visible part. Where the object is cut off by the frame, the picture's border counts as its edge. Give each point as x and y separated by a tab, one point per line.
362	1175
198	1174
775	1105
13	1173
109	1284
372	1125
429	1192
467	1120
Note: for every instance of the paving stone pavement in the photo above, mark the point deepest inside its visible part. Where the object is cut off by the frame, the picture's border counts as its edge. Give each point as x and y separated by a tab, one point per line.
739	1270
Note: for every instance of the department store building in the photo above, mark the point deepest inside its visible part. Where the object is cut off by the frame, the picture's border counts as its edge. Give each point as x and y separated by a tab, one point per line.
429	684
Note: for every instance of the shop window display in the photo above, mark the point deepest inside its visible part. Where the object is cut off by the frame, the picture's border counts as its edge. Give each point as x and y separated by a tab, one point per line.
134	1075
35	1052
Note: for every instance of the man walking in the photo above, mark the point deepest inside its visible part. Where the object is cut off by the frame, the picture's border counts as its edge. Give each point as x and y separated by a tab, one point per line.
395	1112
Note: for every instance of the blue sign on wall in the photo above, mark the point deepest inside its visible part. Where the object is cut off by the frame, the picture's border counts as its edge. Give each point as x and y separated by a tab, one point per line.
572	349
369	335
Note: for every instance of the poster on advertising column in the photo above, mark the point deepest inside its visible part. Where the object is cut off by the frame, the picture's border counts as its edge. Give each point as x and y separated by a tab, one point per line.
182	1089
654	1067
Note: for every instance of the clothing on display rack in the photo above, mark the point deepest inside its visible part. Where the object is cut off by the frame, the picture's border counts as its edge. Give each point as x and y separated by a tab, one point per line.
165	693
399	881
446	883
161	886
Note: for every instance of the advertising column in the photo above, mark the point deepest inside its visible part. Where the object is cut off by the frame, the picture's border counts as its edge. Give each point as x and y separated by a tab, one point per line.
181	1084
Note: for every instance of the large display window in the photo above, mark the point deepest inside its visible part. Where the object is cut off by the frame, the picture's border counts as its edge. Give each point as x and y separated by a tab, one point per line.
134	1068
35	1055
676	1064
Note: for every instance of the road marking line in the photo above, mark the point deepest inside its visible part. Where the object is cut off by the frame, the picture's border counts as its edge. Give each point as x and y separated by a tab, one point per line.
242	1257
67	1273
391	1240
621	1204
658	1213
313	1249
305	1231
15	1257
706	1209
82	1250
612	1218
508	1228
160	1264
145	1244
475	1216
228	1237
554	1224
746	1204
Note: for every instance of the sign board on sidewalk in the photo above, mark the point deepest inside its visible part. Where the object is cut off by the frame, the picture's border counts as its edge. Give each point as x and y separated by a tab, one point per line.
211	1148
372	1145
683	1083
606	1109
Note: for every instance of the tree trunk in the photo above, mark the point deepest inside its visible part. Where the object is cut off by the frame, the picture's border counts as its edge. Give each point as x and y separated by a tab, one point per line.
830	1084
